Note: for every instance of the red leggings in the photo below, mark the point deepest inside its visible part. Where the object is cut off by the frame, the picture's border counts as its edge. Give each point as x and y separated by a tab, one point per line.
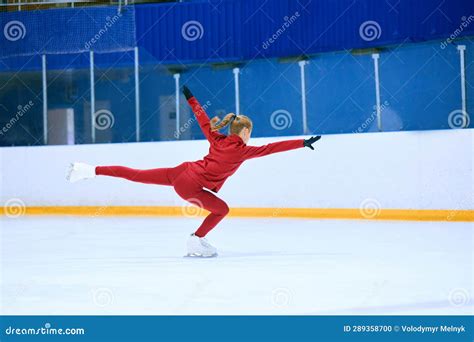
184	185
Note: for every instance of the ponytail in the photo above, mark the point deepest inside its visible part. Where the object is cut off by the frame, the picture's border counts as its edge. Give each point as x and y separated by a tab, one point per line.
236	122
224	122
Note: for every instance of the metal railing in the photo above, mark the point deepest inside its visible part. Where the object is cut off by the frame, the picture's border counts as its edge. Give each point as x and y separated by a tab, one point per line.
19	5
45	4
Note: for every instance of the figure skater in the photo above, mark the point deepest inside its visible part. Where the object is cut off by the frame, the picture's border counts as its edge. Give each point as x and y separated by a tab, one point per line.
191	179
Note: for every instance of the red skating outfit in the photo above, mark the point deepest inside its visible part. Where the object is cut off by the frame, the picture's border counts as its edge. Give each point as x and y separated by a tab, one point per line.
189	179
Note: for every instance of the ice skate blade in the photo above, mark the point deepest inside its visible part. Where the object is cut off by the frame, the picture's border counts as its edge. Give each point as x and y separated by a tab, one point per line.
196	255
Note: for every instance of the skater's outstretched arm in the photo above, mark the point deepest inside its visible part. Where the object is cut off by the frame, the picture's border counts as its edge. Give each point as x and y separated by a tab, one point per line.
199	113
281	146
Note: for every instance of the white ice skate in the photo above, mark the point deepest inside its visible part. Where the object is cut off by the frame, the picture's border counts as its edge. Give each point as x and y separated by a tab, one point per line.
199	247
79	171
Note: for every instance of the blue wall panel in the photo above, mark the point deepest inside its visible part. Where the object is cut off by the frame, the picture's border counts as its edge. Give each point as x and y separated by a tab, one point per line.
218	31
240	29
181	33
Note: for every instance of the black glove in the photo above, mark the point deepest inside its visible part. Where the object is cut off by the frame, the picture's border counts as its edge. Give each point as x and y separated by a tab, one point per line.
309	142
187	93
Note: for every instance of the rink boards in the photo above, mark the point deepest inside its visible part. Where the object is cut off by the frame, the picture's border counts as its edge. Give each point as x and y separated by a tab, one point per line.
394	176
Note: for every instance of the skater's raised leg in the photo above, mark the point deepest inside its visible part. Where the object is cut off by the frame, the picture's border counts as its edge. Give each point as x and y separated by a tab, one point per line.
158	176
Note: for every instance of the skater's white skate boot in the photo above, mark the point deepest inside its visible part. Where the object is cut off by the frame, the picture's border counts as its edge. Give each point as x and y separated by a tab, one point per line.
200	247
79	171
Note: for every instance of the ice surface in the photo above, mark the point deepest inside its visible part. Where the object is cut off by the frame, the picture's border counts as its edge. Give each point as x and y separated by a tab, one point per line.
69	265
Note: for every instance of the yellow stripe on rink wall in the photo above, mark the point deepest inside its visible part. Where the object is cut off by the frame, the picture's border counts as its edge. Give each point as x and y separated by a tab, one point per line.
309	213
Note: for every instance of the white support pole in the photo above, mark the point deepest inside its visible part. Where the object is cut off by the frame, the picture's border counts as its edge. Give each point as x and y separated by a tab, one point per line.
92	86
303	96
462	49
137	96
375	57
45	100
236	72
176	84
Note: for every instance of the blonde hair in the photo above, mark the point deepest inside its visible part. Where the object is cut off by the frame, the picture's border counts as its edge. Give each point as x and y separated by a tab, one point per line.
237	123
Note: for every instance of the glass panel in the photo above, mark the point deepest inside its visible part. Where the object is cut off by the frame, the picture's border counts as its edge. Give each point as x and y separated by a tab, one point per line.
115	98
157	103
421	84
214	88
69	88
21	102
469	56
340	91
271	97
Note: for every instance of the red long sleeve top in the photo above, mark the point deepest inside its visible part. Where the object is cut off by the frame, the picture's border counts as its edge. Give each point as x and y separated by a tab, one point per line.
227	153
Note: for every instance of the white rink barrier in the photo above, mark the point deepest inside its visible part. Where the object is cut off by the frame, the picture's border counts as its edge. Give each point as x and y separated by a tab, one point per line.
399	170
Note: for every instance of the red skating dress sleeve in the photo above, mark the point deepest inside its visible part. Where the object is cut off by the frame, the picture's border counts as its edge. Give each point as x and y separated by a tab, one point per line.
203	120
281	146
